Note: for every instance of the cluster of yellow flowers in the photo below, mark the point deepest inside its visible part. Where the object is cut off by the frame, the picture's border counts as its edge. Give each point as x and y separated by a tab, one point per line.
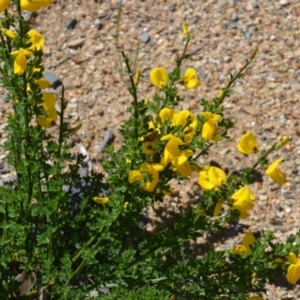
293	272
34	42
248	145
178	129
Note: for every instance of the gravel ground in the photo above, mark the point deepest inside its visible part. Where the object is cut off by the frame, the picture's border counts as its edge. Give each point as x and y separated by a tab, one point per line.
83	44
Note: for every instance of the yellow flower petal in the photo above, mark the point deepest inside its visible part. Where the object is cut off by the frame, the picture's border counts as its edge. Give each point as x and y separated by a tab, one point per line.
181	118
218	208
159	77
209	129
135	175
166	113
292	258
216	176
150	185
34	5
3	5
51	115
275	173
184	169
243	201
248	144
36	40
182	157
147	148
190	79
20	64
205	184
293	273
21	50
248	240
8	32
43	83
210	116
211	177
101	200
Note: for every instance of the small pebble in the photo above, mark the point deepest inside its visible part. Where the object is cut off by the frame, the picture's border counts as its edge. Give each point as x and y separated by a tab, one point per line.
234	17
247	34
98	24
71	24
145	37
284	2
77	43
172	7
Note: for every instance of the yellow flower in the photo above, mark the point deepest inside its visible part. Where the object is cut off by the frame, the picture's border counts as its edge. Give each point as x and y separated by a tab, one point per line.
248	143
184	119
242	200
126	204
166	114
135	175
211	177
147	148
3	5
20	63
293	273
275	173
184	29
50	116
190	79
210	128
101	200
248	240
172	147
151	170
8	33
36	40
210	116
159	77
34	5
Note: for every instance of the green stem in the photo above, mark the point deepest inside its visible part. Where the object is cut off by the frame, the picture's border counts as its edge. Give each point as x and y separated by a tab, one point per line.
263	157
133	92
178	65
234	78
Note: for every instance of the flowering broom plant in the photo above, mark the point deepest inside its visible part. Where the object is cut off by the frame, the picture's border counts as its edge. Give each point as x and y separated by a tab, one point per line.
66	236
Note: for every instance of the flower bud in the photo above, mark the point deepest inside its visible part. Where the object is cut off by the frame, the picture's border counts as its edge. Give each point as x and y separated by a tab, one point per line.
254	52
283	142
184	29
137	77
